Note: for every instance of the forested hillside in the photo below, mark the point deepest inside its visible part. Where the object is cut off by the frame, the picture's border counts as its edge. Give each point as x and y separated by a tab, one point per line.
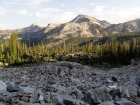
90	51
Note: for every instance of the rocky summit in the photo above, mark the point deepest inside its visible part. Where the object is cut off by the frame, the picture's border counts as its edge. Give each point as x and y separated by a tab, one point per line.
69	83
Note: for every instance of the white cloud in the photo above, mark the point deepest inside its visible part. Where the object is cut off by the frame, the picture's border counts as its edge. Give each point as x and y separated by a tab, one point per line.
62	5
81	10
23	12
99	9
25	2
114	8
93	4
2	11
64	17
11	3
56	16
36	1
51	10
42	15
48	12
116	15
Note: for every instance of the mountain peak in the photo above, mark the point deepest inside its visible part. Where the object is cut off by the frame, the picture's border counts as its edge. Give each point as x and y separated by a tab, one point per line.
84	18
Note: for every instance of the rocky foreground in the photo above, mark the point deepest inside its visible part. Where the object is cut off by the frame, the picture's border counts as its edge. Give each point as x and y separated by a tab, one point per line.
66	83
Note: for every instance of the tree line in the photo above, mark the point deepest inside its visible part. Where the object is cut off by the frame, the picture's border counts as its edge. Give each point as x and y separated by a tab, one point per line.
112	51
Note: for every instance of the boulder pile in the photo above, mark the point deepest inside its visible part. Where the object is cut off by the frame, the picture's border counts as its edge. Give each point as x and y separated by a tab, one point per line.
69	83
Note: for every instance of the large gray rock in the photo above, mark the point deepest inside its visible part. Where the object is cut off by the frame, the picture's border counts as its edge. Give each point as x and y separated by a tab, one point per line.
101	92
56	98
28	89
59	88
24	103
91	98
107	103
125	102
1	104
2	87
12	87
69	101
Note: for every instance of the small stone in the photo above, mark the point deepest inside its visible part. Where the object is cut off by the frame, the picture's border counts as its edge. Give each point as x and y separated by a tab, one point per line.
43	103
108	80
62	73
115	92
114	79
26	99
34	97
47	98
51	80
91	99
8	99
15	100
138	93
1	97
36	104
24	103
69	102
41	98
56	98
20	93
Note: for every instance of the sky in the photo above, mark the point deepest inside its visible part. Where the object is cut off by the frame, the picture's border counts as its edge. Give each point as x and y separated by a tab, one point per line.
15	14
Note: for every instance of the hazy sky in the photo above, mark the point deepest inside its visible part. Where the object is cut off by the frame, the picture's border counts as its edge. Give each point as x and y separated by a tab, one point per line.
22	13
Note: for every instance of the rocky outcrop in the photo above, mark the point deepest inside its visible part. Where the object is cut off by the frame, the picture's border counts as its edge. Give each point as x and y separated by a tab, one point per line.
130	26
71	29
68	83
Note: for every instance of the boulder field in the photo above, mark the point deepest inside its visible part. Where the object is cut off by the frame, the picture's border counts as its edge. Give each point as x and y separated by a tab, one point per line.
69	83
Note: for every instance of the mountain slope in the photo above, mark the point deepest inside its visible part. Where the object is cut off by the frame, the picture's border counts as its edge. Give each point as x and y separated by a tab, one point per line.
23	32
85	18
130	26
82	25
